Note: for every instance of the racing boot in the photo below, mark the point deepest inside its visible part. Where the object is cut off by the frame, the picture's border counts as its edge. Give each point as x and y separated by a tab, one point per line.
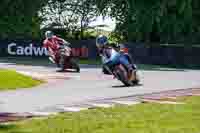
51	59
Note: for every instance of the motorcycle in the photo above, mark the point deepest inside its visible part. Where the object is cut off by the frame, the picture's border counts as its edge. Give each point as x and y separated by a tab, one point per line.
66	60
120	72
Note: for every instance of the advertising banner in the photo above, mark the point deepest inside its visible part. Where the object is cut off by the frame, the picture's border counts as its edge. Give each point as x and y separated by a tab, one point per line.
82	49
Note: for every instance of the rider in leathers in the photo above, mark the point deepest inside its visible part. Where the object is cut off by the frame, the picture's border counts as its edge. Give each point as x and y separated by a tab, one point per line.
110	56
52	43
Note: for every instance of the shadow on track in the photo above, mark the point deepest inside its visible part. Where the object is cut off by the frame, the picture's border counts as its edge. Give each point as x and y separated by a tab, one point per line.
123	86
70	71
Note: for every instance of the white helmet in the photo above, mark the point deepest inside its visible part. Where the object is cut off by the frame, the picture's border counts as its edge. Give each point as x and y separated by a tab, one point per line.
48	34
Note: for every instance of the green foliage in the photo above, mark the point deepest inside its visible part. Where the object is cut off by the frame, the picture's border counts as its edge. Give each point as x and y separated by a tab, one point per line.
116	38
166	21
73	16
19	18
169	21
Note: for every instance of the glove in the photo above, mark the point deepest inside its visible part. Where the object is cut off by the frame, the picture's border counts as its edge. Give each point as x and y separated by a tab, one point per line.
104	59
66	43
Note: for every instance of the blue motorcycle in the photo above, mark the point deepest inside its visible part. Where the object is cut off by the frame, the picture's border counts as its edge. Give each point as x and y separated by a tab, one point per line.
120	71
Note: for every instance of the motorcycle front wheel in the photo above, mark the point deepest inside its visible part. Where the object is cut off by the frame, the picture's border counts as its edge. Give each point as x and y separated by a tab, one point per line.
120	74
62	62
75	65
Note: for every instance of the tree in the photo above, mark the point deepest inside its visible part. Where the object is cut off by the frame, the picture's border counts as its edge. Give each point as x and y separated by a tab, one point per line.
169	21
74	16
19	18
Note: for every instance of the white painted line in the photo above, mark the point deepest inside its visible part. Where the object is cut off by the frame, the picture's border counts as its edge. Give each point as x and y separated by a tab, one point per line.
73	109
31	74
127	102
169	102
45	75
195	94
43	113
161	102
102	105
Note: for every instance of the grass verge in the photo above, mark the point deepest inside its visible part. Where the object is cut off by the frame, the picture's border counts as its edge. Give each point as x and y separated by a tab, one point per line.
90	61
11	80
142	118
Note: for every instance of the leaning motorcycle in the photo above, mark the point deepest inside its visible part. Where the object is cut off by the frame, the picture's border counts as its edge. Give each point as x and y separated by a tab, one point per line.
120	72
66	60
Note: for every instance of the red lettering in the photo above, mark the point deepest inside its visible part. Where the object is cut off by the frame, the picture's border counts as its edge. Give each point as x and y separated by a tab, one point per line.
73	52
78	52
84	52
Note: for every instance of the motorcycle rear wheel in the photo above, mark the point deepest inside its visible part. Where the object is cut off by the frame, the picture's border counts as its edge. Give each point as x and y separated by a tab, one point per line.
136	80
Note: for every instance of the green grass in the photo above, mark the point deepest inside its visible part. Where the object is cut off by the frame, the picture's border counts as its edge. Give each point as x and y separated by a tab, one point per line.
90	62
142	118
11	80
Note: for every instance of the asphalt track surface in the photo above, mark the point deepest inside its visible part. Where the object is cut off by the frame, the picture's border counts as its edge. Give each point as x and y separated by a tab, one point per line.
69	88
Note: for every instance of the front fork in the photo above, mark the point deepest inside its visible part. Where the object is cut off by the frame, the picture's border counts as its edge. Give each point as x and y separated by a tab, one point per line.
62	61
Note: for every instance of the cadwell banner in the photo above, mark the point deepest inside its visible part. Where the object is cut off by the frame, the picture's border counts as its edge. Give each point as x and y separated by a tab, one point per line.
28	50
87	49
84	49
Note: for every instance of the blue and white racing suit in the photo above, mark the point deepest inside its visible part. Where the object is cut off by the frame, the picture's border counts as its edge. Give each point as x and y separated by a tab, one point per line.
111	57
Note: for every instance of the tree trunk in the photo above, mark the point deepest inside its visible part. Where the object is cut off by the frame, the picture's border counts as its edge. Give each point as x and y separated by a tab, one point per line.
82	29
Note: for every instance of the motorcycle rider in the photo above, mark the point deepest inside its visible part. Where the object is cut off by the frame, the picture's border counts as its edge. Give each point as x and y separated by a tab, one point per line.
110	56
52	44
